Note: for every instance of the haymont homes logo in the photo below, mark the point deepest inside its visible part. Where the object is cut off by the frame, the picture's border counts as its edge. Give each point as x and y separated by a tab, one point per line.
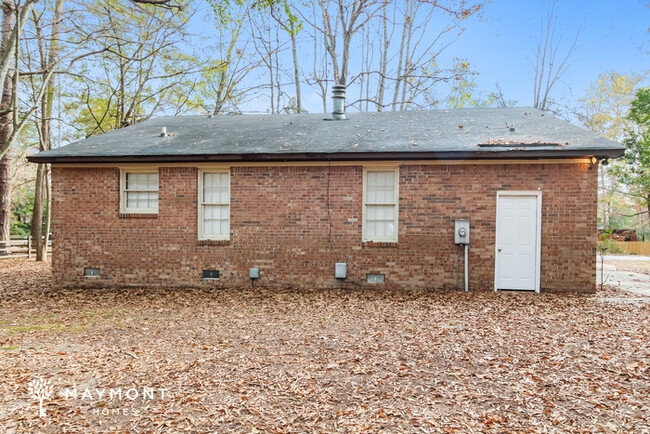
42	390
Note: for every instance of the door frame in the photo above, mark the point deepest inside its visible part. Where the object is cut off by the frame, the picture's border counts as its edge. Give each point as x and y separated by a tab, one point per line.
538	234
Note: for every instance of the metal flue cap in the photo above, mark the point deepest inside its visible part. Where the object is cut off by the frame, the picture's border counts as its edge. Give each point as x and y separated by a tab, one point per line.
338	91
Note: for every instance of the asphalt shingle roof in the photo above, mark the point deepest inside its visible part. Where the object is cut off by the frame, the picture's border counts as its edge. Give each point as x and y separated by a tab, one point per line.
435	134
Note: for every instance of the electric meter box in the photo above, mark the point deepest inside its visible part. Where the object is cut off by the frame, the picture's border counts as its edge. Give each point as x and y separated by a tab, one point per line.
341	270
461	232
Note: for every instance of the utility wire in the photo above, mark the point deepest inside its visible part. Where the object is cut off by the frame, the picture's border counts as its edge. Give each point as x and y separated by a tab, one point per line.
329	212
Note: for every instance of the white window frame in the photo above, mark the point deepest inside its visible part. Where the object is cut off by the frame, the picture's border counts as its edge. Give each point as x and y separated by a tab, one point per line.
124	209
201	204
365	237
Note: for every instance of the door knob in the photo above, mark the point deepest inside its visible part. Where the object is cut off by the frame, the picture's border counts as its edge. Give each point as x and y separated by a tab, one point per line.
499	250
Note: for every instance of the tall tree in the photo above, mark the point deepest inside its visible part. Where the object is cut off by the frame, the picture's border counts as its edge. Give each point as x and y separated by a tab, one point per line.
550	63
418	69
140	70
222	88
351	16
407	69
386	32
42	191
605	106
604	110
287	20
635	173
320	65
266	42
6	130
15	19
154	89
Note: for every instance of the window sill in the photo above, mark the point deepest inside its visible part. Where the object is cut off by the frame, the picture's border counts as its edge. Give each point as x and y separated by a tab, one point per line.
385	244
137	216
213	242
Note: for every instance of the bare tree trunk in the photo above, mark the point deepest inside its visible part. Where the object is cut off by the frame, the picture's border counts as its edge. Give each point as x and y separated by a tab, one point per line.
605	210
278	82
6	129
364	60
296	68
383	61
229	59
122	91
41	190
548	67
5	201
407	59
347	38
37	213
271	81
329	39
220	100
320	79
367	48
48	216
286	21
398	76
44	137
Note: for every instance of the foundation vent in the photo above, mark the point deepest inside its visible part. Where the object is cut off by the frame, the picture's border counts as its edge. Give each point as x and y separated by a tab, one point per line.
210	274
375	278
91	272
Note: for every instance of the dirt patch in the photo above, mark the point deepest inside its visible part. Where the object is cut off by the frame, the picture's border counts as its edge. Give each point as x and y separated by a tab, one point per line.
327	361
642	267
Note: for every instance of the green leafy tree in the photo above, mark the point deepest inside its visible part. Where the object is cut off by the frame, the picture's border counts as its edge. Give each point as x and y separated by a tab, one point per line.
220	89
463	94
635	173
142	70
603	109
21	211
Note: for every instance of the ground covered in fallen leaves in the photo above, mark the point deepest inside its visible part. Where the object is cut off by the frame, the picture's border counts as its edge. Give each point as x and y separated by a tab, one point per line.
259	360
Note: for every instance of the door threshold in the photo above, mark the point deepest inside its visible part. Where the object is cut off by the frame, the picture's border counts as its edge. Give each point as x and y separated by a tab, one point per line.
516	290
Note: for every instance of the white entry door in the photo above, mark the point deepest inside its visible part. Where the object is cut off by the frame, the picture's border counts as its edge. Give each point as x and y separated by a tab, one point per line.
518	241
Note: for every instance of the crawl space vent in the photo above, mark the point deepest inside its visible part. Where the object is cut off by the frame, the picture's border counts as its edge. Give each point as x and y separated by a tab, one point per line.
375	278
211	274
91	272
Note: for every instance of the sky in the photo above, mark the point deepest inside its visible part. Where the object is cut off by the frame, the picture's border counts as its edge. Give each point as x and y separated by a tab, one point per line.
612	35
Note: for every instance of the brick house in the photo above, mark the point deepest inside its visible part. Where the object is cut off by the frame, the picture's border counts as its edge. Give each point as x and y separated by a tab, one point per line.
200	201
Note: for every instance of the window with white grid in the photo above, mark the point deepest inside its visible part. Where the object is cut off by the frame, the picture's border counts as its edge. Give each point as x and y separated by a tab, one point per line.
139	192
214	209
380	205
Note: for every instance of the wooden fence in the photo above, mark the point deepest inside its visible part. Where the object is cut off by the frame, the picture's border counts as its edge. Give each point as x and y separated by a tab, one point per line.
25	247
635	247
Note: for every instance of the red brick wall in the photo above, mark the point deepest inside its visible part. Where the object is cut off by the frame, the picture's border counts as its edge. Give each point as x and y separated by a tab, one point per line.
280	223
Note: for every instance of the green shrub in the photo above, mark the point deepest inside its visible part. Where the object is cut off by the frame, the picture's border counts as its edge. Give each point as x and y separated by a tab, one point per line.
609	247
